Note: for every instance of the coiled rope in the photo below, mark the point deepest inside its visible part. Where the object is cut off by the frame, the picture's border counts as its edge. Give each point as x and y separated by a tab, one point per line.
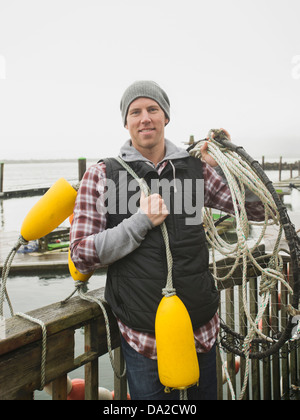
239	175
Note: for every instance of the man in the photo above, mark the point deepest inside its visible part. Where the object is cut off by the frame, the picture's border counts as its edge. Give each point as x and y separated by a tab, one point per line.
130	242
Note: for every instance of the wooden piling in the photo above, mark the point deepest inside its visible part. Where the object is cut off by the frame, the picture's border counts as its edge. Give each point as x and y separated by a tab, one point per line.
81	168
1	176
280	167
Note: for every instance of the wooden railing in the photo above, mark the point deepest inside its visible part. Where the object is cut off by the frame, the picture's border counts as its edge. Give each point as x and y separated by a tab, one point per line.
21	349
273	377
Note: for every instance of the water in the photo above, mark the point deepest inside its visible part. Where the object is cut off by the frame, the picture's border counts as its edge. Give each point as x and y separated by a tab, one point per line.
31	292
28	293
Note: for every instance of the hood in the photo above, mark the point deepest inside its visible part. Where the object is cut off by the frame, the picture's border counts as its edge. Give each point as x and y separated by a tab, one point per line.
129	154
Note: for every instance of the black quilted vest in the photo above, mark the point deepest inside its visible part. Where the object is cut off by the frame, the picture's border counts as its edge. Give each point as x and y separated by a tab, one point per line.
134	283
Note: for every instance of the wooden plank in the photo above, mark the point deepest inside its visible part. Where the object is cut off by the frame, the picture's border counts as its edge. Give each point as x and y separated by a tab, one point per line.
275	357
57	317
219	360
59	388
267	383
284	319
255	368
91	368
230	323
120	385
243	331
20	371
30	192
219	375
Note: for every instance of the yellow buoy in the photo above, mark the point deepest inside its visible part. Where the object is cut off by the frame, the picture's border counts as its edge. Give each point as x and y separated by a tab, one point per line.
176	353
50	211
76	275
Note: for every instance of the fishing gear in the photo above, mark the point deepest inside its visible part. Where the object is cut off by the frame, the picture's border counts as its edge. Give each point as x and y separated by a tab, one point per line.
254	334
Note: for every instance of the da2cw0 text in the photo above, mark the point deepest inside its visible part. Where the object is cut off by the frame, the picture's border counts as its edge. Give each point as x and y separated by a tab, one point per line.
172	409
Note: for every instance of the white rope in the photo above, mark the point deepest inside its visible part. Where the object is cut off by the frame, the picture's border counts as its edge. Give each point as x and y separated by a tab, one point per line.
5	272
4	295
240	175
84	296
44	345
169	289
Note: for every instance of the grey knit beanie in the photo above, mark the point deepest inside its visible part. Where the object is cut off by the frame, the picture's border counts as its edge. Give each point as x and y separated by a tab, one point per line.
144	89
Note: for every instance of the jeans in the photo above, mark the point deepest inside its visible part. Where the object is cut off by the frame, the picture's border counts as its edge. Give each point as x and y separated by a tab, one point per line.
144	384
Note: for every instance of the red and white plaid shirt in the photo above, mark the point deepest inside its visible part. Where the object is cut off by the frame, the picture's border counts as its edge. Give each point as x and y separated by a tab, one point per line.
87	222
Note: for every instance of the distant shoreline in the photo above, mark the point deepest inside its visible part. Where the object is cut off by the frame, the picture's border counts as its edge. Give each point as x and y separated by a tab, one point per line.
269	164
17	161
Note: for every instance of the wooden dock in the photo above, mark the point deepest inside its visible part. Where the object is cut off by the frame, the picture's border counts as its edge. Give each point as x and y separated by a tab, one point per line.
288	183
32	262
31	192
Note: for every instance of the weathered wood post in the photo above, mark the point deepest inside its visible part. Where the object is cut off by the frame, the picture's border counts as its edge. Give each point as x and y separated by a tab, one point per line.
81	168
280	167
1	176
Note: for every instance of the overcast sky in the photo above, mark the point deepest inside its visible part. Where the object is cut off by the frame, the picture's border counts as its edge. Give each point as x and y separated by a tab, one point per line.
64	65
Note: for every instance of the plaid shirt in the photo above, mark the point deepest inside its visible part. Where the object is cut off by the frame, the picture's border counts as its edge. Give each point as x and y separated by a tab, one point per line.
88	221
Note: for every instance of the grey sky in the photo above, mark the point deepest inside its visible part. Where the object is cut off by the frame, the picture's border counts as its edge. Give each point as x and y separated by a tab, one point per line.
64	65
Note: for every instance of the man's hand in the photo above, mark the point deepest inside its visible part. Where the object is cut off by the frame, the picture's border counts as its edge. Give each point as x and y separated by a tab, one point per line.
205	156
154	207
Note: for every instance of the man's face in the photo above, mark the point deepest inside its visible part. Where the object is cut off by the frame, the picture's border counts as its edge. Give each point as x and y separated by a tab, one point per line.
146	124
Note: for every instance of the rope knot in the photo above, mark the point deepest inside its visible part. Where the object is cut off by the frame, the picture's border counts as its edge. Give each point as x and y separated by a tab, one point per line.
22	241
169	291
267	283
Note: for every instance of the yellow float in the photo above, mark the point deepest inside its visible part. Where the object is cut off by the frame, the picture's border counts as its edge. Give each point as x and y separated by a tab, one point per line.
50	211
177	360
76	275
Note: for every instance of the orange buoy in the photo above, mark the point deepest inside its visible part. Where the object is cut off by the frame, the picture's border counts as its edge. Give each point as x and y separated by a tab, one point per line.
113	395
237	368
76	390
71	218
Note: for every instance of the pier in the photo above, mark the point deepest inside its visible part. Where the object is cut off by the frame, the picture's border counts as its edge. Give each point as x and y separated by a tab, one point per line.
32	262
35	191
